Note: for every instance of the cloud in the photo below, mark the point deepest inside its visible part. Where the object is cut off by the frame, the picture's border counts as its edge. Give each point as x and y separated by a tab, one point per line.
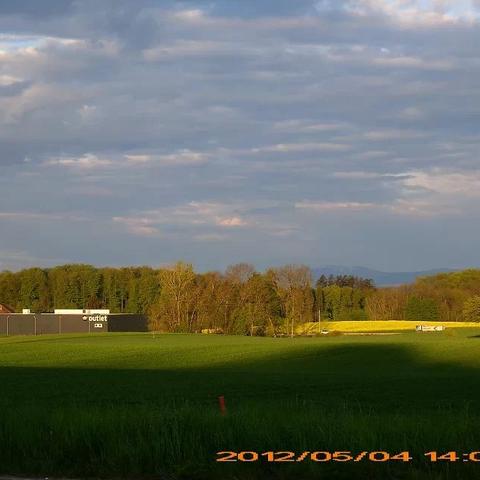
392	134
182	157
334	206
187	49
423	208
361	175
411	113
435	192
225	128
196	215
138	159
8	80
301	147
299	125
413	62
418	13
142	227
231	222
85	162
445	182
193	15
89	161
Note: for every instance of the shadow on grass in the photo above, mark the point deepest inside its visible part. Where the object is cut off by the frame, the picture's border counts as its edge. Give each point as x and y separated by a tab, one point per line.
378	376
136	423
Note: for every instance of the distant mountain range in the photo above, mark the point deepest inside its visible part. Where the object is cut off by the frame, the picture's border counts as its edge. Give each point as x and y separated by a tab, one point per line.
380	278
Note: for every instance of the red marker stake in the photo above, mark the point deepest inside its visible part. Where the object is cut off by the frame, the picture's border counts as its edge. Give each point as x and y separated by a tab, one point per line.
221	404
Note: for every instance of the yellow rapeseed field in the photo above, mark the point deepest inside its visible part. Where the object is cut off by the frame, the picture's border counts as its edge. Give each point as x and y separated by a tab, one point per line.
375	326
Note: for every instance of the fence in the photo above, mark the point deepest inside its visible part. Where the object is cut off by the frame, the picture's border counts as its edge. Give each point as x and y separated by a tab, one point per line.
49	323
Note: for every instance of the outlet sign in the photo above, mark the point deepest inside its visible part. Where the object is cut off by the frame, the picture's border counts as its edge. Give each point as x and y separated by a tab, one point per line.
95	318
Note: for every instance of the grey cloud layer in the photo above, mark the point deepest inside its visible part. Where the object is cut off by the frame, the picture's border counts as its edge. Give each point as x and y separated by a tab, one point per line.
267	131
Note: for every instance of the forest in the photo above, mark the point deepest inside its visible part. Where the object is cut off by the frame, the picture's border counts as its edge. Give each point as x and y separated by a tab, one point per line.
240	300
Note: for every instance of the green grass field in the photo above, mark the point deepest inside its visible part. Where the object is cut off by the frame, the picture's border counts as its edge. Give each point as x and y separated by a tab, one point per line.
143	406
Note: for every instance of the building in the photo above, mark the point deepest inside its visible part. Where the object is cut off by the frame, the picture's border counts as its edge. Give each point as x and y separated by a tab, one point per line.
429	328
78	311
5	309
70	321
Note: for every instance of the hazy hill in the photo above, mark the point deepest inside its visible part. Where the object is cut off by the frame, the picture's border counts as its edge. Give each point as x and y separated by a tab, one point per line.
380	278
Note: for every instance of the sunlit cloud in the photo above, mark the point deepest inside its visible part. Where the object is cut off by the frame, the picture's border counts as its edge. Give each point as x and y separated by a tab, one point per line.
334	206
85	162
445	182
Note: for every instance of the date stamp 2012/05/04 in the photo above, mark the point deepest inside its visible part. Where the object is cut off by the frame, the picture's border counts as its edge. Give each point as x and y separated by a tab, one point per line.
344	456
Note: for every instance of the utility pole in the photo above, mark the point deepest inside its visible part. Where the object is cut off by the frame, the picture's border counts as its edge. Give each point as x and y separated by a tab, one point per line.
293	317
319	318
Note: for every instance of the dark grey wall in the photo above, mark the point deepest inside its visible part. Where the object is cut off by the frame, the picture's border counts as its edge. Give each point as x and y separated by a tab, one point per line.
127	323
12	324
72	323
3	324
48	323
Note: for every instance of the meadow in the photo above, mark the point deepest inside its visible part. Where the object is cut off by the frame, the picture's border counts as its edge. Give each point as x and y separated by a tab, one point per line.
146	406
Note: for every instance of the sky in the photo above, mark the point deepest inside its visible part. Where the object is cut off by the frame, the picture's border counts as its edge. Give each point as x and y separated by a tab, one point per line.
269	131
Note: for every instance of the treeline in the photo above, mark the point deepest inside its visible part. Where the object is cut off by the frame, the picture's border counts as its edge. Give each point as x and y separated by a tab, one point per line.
239	300
343	297
449	297
129	290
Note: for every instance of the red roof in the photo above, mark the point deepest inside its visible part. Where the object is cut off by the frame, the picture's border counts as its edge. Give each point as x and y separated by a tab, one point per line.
6	309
